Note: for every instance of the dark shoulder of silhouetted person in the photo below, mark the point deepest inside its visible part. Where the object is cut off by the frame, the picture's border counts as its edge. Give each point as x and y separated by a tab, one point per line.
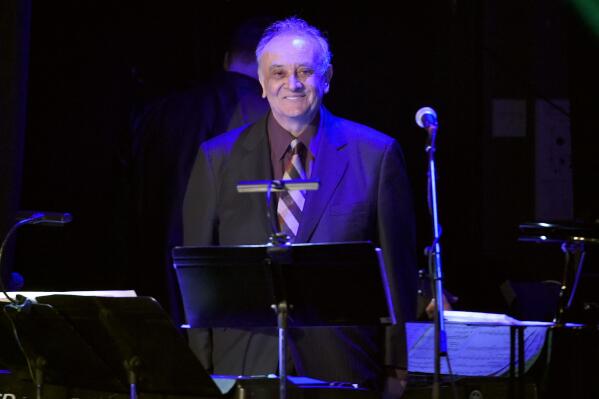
164	143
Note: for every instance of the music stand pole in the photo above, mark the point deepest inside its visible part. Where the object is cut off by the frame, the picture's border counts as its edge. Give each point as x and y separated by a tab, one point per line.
131	366
282	313
574	252
279	253
38	365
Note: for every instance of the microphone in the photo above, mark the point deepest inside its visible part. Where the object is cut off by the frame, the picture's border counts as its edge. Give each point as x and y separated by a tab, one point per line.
426	117
44	218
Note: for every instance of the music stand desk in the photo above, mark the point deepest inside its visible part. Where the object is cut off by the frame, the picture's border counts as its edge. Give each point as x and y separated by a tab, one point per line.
305	284
112	345
324	285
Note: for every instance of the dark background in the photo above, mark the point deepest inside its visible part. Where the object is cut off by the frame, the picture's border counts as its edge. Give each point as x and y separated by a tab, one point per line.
80	69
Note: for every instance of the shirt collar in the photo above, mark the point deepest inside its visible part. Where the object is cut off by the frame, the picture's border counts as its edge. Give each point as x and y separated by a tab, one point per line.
280	138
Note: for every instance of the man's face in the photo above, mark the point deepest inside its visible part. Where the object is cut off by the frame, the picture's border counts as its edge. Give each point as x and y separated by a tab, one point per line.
290	78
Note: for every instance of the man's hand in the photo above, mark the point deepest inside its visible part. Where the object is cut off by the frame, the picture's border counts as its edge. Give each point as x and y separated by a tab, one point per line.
448	300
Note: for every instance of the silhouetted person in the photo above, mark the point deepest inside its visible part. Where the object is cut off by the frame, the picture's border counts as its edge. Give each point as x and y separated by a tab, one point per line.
164	144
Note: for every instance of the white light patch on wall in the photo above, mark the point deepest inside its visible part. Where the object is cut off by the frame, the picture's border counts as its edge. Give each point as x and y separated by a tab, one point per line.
553	161
508	117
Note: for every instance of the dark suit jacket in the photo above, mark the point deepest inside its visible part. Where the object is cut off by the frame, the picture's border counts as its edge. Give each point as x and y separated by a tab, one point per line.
364	195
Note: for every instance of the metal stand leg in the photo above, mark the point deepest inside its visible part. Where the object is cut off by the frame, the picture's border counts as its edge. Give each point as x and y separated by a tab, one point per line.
38	374
574	257
282	313
131	365
517	362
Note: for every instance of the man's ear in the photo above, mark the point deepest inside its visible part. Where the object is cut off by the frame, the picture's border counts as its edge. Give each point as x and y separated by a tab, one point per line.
328	76
261	80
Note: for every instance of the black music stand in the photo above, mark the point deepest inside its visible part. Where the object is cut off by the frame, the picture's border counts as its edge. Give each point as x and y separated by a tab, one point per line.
306	284
115	344
573	239
51	351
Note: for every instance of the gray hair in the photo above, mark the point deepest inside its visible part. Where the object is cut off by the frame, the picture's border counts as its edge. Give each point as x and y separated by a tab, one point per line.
298	26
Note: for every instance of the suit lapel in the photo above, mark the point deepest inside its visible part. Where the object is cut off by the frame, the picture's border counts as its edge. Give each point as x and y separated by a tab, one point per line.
329	167
254	164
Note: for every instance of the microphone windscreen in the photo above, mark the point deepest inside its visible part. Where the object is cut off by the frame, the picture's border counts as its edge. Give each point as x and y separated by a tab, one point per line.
421	115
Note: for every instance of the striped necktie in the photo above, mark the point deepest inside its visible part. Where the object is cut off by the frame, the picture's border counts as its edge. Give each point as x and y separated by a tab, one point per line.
291	203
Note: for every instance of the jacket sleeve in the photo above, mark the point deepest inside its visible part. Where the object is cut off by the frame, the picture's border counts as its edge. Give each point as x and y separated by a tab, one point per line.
397	238
199	227
199	204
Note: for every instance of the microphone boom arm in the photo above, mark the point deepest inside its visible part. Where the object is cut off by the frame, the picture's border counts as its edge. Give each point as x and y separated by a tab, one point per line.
30	217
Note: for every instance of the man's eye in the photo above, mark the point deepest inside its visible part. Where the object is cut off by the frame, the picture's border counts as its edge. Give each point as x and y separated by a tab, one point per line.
306	72
278	74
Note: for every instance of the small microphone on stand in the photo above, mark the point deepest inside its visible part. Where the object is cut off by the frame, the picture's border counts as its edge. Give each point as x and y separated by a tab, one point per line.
30	217
426	117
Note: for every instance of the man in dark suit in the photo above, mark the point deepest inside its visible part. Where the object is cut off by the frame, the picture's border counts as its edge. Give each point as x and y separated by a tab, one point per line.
364	194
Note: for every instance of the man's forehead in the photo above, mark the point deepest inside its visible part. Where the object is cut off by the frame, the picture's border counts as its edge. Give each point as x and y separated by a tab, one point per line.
290	43
289	50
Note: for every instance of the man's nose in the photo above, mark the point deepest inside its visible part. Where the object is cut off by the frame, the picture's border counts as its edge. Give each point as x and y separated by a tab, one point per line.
293	82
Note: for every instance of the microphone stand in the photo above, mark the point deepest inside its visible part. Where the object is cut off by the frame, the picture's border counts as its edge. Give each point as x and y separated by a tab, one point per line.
434	259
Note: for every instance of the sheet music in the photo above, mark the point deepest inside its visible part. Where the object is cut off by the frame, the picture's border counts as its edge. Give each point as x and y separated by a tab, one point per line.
473	349
458	316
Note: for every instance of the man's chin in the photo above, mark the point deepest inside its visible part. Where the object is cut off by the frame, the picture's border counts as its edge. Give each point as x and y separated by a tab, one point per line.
298	114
